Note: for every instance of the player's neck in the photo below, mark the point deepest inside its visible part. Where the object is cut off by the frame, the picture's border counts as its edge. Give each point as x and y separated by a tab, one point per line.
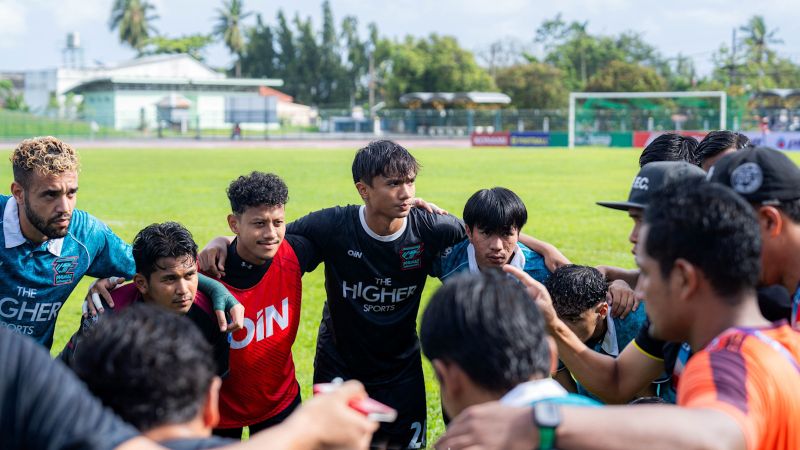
188	430
248	256
380	224
722	316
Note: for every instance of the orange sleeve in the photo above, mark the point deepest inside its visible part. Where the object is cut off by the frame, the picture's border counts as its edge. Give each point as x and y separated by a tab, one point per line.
718	380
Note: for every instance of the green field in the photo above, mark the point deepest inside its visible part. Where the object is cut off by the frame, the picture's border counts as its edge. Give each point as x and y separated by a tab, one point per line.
129	189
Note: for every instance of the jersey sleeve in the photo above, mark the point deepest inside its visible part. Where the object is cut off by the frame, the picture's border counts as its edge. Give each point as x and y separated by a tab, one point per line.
307	255
112	255
718	380
650	346
45	406
318	227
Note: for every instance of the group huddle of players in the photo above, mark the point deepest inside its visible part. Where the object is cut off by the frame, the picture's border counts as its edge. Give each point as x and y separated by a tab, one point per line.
712	221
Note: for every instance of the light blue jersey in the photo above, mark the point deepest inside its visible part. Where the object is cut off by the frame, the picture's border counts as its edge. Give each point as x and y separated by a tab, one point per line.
38	278
545	390
461	258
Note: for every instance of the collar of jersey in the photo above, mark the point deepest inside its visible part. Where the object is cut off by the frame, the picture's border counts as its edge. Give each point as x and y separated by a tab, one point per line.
524	394
362	211
517	259
12	232
610	344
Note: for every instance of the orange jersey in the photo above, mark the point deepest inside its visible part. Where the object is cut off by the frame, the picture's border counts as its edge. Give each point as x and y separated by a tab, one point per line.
747	375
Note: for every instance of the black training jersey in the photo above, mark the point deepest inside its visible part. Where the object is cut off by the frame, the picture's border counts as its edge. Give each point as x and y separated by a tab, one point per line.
373	286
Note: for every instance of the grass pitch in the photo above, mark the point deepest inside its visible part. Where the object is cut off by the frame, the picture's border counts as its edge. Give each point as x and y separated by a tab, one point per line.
129	189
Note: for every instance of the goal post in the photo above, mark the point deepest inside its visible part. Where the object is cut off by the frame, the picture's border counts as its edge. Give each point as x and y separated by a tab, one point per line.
573	96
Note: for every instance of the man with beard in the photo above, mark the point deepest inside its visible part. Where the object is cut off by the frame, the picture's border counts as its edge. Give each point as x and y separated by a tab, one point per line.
48	245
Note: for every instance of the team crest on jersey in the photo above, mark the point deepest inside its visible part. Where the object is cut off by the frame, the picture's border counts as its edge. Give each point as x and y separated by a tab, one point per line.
411	257
64	270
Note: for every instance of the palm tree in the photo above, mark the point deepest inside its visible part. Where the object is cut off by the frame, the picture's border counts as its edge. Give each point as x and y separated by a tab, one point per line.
758	40
229	29
134	24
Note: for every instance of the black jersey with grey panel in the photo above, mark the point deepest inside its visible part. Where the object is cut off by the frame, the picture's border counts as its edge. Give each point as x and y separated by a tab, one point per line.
373	286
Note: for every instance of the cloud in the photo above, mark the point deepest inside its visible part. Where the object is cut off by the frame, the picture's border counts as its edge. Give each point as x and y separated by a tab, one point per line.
12	24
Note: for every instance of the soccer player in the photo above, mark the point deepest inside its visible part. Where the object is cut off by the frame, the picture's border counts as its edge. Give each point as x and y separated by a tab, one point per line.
699	252
486	341
618	380
579	296
717	144
49	245
770	182
46	406
165	255
670	147
156	372
262	271
494	219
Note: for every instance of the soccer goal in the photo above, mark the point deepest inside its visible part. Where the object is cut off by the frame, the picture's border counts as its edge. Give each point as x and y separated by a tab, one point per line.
607	99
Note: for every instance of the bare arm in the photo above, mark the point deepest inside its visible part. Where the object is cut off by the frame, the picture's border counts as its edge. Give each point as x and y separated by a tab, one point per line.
630	276
495	426
615	380
553	258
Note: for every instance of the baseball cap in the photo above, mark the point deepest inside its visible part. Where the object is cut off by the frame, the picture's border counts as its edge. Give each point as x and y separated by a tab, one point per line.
651	178
760	175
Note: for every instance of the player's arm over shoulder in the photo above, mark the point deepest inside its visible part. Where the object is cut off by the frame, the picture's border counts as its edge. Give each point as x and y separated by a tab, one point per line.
110	255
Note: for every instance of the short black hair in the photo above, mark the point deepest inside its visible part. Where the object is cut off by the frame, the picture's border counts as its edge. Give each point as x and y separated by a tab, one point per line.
576	289
383	158
151	367
495	211
161	240
487	324
257	189
791	208
710	226
670	147
716	142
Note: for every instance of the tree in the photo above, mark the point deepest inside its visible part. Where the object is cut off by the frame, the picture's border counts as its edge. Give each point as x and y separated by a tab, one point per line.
433	64
287	56
229	29
308	59
133	21
533	85
621	76
192	44
758	40
260	58
9	99
357	60
331	76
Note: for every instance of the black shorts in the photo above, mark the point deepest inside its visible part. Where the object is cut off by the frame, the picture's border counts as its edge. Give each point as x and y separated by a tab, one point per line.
406	395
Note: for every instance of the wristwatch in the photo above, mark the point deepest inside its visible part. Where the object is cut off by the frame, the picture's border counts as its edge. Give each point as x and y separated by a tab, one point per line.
546	417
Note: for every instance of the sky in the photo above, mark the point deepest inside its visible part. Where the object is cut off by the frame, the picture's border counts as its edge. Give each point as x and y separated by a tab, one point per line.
33	32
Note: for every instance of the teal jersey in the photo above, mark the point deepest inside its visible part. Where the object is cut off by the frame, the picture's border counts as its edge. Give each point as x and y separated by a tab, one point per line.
617	338
460	258
38	278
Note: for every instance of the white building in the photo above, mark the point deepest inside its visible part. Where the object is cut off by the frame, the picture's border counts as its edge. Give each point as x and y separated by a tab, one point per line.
163	90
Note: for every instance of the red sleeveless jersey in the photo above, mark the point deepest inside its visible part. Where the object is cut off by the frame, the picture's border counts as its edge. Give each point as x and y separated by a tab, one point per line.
262	381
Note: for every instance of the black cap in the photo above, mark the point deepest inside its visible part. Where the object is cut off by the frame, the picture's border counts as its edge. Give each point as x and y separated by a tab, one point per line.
652	177
760	175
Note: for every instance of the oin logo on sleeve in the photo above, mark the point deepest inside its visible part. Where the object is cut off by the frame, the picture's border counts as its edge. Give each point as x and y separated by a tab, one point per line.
64	270
411	257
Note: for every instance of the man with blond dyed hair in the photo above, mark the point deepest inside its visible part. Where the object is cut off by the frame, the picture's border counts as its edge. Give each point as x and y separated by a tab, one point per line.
48	245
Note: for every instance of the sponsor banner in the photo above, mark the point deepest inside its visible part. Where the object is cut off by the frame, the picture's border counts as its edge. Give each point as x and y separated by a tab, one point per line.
500	139
529	139
642	138
781	140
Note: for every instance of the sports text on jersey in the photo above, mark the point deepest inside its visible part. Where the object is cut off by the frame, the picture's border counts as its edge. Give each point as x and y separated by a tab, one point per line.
381	298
